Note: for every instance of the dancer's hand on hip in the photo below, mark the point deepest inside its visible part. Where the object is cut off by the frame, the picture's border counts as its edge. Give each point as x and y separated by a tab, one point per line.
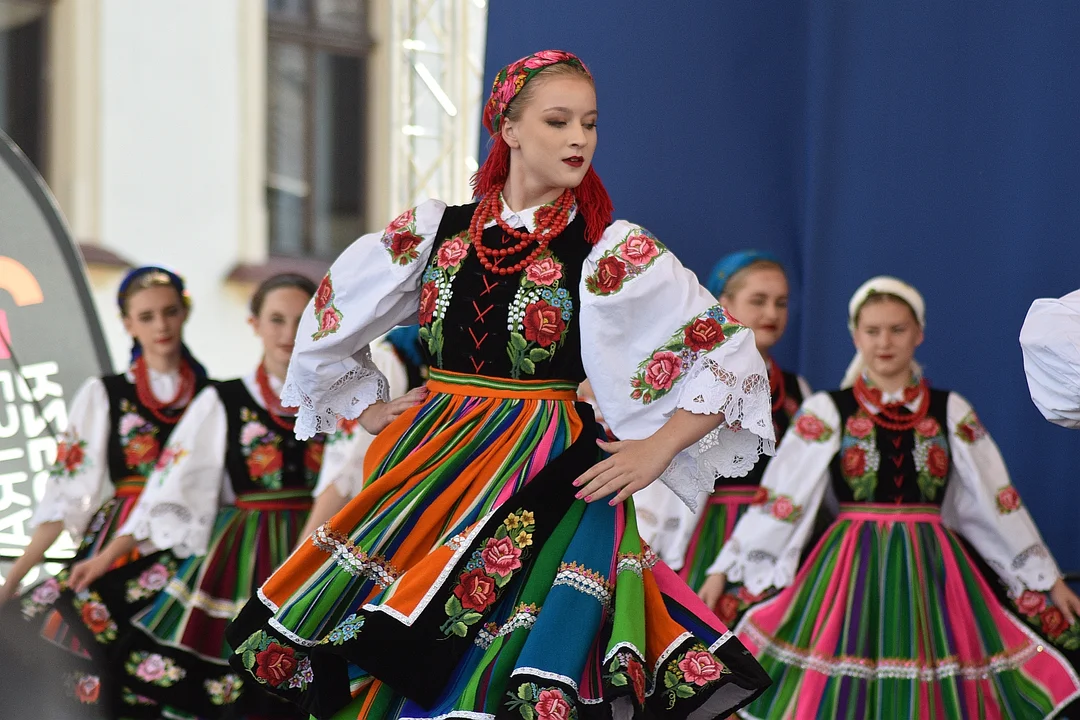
632	466
1066	601
378	416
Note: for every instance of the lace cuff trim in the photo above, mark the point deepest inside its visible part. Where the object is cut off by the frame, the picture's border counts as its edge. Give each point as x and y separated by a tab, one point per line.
757	570
346	397
171	526
732	449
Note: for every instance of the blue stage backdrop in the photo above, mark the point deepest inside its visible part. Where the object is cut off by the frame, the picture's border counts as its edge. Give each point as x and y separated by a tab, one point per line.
934	141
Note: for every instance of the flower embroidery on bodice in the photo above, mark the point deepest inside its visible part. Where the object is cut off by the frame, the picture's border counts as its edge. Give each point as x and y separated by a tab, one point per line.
870	455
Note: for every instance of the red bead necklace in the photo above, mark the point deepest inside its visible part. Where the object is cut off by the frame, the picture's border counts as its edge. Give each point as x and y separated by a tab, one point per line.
548	227
273	403
776	386
145	393
891	416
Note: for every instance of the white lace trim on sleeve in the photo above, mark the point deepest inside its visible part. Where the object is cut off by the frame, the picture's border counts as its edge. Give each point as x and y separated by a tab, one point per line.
346	397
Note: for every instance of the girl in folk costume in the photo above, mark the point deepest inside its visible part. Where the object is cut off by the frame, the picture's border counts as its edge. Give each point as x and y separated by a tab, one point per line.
478	575
228	500
753	287
117	427
889	615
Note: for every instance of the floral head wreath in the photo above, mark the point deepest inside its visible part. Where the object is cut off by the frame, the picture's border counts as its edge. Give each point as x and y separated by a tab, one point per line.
593	201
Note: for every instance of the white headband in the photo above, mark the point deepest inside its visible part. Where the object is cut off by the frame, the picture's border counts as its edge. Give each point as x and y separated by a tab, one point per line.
880	285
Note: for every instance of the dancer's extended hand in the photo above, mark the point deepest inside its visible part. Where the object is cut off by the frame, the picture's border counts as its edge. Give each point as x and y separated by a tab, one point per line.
85	572
632	466
712	589
377	416
1066	601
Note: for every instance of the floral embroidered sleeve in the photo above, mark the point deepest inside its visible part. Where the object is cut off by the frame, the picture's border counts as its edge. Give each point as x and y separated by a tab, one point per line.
177	508
78	480
1050	339
765	546
372	287
653	341
982	505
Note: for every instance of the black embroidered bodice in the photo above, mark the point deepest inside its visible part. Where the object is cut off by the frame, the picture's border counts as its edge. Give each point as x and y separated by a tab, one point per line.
136	436
782	417
522	326
260	455
879	465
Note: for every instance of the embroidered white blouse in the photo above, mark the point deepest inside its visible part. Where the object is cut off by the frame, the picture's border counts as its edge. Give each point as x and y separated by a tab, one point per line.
621	332
177	508
666	524
980	503
74	497
1050	339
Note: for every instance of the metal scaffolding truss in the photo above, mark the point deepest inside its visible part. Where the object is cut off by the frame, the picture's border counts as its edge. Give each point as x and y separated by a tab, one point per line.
437	81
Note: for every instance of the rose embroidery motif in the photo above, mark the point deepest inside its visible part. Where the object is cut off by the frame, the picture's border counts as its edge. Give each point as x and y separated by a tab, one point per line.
931	455
154	669
275	664
151	581
400	239
95	616
1037	609
543	324
488	570
46	593
438	289
70	457
1008	500
539	316
640	249
703	334
970	429
811	428
87	689
1031	603
634	254
501	557
727	609
859	456
658	374
429	293
780	507
546	271
536	703
327	316
452	252
859	426
261	448
685	675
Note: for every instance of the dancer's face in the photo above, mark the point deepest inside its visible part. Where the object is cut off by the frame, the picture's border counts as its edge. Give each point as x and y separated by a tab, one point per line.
553	139
155	316
887	334
276	324
760	301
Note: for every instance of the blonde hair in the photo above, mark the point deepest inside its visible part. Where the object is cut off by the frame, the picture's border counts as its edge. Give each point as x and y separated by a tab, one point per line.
525	95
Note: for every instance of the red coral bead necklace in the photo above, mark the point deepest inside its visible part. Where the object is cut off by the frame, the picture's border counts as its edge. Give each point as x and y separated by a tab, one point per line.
548	226
273	404
145	392
891	416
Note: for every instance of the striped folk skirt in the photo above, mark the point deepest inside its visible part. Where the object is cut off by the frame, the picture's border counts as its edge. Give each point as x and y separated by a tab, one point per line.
465	581
175	657
889	618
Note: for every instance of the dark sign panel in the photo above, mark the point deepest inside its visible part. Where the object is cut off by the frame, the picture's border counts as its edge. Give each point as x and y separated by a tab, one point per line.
50	339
